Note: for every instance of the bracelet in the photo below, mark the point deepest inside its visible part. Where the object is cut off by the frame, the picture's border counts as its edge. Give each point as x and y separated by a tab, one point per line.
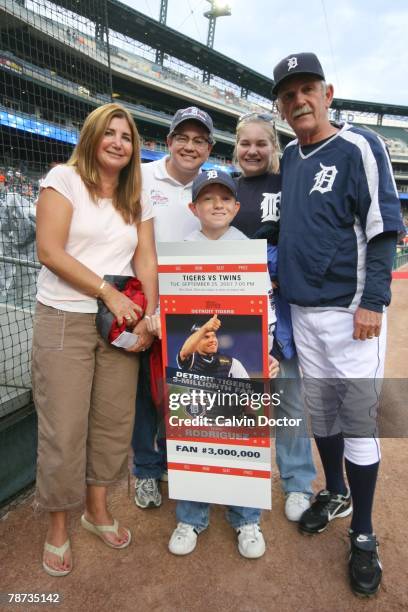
101	288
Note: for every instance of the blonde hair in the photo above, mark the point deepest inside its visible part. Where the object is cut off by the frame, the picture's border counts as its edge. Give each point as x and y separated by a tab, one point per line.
126	198
270	131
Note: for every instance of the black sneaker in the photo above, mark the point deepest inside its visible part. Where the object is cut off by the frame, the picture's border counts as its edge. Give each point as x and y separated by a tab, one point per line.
326	507
365	569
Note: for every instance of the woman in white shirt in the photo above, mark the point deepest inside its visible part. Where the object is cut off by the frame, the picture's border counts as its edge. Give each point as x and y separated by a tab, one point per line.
90	223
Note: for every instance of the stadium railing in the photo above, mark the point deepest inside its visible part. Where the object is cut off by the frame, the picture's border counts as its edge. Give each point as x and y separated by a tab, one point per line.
18	274
401	257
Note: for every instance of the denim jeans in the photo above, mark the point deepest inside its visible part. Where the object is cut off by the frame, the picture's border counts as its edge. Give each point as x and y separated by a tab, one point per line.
197	514
293	448
149	437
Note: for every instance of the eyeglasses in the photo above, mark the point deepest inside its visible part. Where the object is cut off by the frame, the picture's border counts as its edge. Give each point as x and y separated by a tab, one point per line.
262	116
197	142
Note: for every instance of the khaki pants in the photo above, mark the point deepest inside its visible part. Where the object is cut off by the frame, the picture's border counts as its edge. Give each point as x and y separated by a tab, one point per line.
84	392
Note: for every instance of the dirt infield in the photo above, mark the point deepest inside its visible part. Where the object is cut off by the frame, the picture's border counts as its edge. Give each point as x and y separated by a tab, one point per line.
297	573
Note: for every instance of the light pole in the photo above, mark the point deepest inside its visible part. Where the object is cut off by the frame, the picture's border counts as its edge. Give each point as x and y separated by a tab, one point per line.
218	9
162	19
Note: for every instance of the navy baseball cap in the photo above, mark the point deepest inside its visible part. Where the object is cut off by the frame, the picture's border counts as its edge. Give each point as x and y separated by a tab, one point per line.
209	177
297	63
192	113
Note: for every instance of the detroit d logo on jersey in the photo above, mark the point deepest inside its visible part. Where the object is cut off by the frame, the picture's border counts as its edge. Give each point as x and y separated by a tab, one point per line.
270	207
324	179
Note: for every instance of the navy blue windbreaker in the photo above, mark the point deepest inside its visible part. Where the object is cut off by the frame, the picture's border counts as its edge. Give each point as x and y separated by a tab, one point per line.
335	199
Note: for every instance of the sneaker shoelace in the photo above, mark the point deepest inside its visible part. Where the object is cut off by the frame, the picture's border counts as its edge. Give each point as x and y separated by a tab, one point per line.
182	530
250	531
322	505
325	505
298	498
147	485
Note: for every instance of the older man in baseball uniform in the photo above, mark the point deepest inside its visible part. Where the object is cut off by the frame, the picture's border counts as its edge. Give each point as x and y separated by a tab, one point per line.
340	215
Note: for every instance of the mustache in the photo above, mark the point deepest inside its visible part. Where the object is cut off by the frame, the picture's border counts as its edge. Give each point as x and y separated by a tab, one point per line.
302	111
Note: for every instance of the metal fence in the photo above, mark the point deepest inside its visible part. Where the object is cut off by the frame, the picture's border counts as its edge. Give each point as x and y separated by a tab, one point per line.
18	275
46	90
401	258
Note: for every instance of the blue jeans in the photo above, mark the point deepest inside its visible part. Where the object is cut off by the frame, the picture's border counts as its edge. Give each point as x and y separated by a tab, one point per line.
149	437
197	514
293	455
293	448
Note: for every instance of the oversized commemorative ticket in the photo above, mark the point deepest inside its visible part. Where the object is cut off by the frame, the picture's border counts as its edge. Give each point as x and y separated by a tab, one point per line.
214	316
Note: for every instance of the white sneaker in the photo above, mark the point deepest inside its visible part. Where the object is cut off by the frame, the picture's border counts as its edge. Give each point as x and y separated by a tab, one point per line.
251	543
295	505
183	539
147	493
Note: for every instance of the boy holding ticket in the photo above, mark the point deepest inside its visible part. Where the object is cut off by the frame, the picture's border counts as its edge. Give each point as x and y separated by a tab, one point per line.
215	205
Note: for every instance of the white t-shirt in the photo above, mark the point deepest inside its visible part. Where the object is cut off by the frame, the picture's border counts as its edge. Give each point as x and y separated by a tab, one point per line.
98	237
232	233
173	219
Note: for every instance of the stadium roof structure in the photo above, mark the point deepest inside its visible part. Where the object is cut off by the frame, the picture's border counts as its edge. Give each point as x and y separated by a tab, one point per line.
130	22
139	26
379	108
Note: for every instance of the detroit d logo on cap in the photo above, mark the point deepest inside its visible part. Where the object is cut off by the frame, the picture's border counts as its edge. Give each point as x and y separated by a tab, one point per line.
191	110
292	63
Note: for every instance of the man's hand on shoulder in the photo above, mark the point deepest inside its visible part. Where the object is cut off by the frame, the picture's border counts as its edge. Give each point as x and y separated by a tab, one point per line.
367	324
